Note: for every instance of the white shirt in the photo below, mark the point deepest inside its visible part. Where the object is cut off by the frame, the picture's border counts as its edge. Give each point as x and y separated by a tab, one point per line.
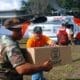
69	31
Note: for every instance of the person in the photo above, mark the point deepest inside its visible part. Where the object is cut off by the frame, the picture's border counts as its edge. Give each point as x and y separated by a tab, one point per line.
13	64
62	35
65	34
69	32
77	38
38	40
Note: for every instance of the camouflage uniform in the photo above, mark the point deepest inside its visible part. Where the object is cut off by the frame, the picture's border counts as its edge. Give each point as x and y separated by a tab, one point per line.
10	57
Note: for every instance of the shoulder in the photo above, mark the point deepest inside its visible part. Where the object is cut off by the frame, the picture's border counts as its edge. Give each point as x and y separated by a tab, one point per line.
44	36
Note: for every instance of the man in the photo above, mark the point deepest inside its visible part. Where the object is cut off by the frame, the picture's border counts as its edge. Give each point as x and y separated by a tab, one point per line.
62	35
69	32
38	40
13	65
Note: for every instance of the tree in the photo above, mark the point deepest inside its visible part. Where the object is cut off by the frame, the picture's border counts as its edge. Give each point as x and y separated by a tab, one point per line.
36	6
67	4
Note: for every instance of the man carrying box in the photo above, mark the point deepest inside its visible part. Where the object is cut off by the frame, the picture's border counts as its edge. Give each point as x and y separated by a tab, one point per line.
13	64
38	40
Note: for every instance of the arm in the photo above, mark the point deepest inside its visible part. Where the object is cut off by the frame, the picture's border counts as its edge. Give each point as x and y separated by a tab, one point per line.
50	41
28	68
22	67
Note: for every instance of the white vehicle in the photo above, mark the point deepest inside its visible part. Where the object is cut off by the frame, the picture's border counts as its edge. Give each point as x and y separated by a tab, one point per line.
51	26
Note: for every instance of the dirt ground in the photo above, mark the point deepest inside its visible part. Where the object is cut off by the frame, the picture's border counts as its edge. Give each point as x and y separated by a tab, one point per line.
66	72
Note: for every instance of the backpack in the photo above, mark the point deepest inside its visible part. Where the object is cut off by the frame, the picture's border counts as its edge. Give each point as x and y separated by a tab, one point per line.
62	37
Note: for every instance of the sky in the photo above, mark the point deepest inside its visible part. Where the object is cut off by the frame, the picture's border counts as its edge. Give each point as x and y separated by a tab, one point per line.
10	4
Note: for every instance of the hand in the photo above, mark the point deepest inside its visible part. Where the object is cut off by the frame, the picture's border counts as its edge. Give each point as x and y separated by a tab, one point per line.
53	44
48	65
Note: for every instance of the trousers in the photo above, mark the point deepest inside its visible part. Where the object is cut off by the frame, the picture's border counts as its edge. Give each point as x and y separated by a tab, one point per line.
38	76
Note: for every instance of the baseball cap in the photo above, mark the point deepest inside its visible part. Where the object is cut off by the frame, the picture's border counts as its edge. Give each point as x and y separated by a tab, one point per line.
37	29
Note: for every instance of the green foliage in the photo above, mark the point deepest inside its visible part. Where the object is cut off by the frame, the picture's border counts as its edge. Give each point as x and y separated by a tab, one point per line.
70	4
44	6
36	6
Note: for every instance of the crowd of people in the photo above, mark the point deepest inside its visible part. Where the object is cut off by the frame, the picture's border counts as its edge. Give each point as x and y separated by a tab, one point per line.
66	35
13	64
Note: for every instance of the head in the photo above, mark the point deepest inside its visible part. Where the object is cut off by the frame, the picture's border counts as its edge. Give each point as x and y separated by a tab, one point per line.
13	25
37	32
9	23
63	25
69	26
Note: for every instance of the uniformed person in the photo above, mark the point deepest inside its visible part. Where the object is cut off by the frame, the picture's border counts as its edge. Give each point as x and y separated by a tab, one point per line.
13	65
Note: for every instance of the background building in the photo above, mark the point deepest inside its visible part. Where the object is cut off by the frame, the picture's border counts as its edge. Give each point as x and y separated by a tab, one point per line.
9	14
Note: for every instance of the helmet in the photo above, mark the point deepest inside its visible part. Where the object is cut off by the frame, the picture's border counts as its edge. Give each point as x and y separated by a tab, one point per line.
37	29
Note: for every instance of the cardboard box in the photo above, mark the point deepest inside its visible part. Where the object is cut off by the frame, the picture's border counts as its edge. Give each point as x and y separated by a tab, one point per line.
75	50
59	55
65	54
